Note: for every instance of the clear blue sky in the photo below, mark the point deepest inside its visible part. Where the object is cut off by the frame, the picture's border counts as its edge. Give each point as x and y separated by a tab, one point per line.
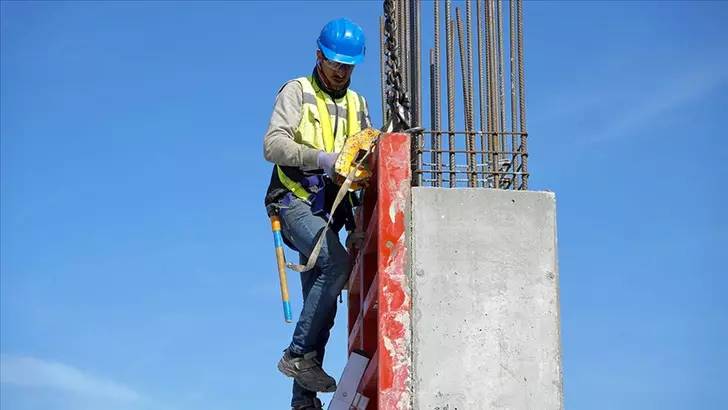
136	258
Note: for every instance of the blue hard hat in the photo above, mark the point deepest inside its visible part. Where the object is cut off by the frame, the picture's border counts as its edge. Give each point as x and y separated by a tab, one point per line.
342	40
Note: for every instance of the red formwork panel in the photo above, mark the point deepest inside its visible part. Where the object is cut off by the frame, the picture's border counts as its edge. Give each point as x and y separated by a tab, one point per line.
379	294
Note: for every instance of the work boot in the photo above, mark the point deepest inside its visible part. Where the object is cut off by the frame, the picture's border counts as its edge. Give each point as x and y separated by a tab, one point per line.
314	405
307	371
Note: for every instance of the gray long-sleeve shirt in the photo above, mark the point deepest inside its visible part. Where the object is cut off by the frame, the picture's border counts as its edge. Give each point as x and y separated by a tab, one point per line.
279	145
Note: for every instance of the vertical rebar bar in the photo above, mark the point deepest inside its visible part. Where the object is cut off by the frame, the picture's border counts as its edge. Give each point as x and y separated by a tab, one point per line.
415	85
450	92
488	102
501	80
498	147
403	41
437	124
494	75
415	62
481	90
471	115
522	100
514	115
466	96
433	122
381	69
493	146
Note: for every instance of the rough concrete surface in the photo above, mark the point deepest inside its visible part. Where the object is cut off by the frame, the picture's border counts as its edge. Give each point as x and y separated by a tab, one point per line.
485	300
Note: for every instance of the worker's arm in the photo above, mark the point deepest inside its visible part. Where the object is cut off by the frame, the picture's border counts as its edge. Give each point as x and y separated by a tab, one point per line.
279	145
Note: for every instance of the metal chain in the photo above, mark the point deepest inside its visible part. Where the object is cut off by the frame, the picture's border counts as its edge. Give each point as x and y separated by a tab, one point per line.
397	101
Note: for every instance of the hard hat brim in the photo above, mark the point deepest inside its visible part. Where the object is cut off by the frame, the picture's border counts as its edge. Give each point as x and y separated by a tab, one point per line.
340	58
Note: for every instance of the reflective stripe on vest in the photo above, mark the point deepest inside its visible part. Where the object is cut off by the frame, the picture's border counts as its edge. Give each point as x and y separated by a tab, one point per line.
352	121
322	136
297	189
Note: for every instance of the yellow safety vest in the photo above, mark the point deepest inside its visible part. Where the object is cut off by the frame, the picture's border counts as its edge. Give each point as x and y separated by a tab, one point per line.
315	130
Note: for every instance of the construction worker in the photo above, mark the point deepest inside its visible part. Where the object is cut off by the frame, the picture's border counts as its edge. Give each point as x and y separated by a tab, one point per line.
312	117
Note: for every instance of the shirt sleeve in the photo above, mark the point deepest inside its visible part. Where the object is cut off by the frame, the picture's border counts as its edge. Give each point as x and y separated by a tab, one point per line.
279	145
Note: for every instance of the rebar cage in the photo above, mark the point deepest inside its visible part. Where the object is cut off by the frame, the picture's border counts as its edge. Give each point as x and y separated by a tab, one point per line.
487	152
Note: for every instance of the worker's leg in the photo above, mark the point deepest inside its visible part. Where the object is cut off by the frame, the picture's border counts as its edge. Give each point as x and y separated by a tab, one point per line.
301	396
323	337
331	272
307	281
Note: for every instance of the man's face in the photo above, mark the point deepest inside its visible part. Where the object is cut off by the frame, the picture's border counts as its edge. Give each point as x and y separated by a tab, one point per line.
336	75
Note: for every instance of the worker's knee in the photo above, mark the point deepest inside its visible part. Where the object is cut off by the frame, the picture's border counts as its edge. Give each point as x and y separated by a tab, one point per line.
336	268
334	259
333	247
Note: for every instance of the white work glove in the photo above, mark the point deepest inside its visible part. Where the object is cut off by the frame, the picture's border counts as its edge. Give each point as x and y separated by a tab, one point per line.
327	162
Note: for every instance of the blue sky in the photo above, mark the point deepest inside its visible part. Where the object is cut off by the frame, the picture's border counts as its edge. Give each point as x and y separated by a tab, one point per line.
137	270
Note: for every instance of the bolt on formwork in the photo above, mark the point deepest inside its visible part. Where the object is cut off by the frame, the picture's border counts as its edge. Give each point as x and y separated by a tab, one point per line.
484	141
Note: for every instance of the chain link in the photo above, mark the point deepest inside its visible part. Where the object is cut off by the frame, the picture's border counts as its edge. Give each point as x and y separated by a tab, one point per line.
398	103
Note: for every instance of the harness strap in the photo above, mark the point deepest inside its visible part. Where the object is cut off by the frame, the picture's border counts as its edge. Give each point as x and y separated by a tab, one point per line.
339	196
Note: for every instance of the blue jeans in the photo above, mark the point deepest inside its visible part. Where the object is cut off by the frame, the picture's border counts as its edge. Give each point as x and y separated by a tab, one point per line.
321	285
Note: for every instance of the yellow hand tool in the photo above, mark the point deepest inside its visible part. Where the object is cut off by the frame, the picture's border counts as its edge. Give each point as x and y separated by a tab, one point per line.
355	148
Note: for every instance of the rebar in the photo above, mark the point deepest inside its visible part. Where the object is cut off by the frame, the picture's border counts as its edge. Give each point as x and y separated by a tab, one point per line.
415	62
512	55
450	50
522	99
464	80
469	58
382	79
435	109
415	85
501	86
481	85
402	11
492	95
489	151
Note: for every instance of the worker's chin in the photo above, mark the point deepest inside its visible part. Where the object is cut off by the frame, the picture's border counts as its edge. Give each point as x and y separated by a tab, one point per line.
338	85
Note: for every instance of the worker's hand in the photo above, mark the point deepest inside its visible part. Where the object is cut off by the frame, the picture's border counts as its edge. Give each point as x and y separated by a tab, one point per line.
327	162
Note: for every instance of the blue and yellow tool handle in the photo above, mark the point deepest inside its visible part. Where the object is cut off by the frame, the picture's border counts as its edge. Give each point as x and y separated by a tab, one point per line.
275	224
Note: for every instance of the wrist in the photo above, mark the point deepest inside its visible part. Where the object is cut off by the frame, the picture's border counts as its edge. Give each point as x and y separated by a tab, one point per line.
321	159
309	158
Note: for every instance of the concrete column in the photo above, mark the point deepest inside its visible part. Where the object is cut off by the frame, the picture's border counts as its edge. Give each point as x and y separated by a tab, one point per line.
485	302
